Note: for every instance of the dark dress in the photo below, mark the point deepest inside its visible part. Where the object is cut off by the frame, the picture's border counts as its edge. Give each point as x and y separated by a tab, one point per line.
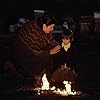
32	51
70	57
62	57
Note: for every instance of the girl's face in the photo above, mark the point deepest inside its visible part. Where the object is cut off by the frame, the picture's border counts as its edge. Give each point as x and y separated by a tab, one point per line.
48	29
65	40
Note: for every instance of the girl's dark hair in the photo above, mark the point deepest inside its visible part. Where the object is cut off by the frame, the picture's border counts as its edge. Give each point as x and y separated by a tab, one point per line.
67	33
46	19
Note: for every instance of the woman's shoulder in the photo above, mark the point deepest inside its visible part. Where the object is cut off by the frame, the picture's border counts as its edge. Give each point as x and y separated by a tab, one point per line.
30	26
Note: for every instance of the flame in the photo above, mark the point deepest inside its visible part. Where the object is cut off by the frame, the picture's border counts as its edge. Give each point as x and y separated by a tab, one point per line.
45	82
68	88
67	91
64	92
65	66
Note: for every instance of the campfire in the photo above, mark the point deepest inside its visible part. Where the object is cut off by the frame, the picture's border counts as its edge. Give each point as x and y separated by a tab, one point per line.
64	92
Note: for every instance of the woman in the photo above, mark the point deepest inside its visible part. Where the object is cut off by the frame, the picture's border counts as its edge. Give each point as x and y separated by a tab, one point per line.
34	46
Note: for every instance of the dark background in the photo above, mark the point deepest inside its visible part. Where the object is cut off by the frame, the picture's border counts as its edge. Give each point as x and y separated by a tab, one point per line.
21	7
88	43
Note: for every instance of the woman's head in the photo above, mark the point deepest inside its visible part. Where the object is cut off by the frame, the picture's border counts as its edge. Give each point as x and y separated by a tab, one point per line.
47	23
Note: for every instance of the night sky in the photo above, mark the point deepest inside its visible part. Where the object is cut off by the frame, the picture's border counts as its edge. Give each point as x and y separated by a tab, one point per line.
58	7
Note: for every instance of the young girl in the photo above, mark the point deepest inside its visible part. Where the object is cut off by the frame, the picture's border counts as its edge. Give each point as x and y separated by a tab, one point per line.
65	61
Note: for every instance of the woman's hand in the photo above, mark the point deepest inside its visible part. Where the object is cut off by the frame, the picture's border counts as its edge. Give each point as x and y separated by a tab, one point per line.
55	50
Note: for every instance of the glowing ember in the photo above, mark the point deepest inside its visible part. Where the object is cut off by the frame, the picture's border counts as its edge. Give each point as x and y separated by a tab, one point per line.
53	88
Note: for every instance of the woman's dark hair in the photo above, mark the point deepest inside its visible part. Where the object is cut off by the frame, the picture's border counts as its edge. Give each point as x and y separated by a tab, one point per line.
46	19
67	33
